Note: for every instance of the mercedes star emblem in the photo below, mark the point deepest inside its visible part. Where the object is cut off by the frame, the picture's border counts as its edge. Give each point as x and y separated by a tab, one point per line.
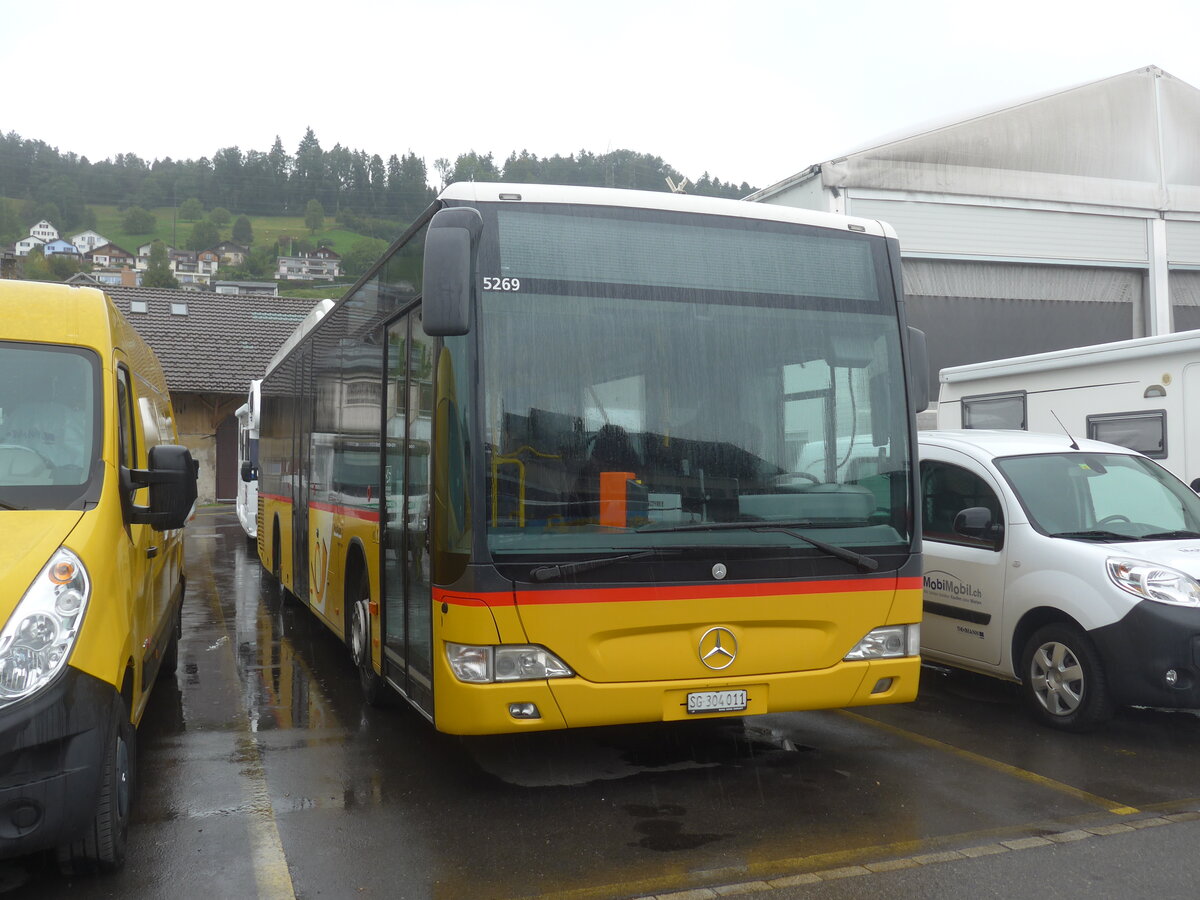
718	648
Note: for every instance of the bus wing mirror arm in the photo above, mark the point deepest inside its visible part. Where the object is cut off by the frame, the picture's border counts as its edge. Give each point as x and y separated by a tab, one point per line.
448	282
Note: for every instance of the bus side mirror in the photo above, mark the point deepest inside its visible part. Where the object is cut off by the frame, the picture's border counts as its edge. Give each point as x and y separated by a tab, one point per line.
249	473
448	284
172	477
918	369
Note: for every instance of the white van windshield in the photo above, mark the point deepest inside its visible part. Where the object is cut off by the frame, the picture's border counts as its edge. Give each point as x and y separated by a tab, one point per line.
1102	496
49	425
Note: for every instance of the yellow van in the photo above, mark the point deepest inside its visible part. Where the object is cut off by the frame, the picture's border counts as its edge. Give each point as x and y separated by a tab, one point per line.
93	492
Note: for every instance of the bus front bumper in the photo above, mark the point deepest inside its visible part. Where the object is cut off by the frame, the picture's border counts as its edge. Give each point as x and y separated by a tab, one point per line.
51	753
576	703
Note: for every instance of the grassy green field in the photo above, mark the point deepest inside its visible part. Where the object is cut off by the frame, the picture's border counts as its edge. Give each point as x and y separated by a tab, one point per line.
175	233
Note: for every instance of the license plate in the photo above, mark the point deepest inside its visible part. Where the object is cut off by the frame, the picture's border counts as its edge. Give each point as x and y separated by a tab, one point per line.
716	701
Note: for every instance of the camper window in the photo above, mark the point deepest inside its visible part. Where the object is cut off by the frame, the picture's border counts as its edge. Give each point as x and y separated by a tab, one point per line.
995	411
1143	432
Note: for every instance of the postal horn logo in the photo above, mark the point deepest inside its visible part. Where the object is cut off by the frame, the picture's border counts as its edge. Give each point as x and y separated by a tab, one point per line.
718	648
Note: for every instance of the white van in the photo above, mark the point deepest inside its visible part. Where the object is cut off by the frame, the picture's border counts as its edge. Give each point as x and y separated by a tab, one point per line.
1072	567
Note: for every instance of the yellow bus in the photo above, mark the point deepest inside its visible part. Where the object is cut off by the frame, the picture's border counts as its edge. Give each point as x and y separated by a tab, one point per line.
580	456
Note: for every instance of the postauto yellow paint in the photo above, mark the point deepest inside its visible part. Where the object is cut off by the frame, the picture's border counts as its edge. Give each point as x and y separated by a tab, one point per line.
91	565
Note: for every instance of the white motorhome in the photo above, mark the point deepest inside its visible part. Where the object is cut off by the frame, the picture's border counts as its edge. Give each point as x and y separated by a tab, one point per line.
1143	394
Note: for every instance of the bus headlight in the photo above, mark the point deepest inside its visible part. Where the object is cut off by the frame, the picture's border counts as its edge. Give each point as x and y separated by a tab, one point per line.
889	642
506	662
1153	582
37	638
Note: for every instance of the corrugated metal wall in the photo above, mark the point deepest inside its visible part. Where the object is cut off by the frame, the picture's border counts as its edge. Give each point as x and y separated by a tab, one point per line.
976	311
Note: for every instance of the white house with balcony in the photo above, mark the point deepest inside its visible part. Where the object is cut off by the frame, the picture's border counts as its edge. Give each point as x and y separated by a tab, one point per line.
322	264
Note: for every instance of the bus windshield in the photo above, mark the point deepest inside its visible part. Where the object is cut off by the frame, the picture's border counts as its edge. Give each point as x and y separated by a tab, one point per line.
49	428
642	377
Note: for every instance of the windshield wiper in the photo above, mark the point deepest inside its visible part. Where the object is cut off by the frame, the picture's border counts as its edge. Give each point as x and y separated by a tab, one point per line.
4	505
1097	535
1168	535
550	573
863	562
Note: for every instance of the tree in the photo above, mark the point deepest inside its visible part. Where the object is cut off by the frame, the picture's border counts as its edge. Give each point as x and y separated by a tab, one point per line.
220	217
362	255
314	216
191	210
158	272
34	266
242	232
138	221
204	235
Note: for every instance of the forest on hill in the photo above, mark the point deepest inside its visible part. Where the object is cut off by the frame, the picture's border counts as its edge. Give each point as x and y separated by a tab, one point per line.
364	193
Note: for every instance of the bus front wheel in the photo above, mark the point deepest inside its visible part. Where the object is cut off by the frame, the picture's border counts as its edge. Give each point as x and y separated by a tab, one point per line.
358	636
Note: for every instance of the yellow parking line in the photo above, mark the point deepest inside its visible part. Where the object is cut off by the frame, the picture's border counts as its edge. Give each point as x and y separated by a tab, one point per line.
1032	777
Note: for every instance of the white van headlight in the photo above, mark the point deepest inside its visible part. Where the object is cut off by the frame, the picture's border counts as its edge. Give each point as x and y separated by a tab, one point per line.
1153	582
39	635
888	642
507	662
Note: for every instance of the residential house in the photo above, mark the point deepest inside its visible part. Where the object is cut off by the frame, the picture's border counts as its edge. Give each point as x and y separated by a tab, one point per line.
211	346
231	254
89	240
44	230
143	255
107	277
207	263
110	256
185	265
60	247
23	246
322	264
247	288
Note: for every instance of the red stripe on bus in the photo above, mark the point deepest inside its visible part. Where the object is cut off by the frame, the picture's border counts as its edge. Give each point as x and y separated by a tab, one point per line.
641	594
353	512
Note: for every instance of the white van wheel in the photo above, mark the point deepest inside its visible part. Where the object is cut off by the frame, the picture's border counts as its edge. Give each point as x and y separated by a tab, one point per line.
1063	679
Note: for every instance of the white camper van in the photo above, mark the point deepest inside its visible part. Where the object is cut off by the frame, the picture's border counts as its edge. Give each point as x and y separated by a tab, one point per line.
1143	394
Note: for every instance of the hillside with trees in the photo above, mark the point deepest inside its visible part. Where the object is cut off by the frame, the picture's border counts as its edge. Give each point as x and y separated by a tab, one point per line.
275	202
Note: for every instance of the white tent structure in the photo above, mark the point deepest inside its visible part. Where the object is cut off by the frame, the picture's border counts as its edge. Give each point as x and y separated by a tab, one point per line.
1058	221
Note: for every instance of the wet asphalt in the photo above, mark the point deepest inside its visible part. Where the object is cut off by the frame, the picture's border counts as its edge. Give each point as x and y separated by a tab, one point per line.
264	775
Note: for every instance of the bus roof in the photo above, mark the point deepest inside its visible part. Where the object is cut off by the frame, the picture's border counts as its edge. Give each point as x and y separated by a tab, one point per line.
307	324
479	192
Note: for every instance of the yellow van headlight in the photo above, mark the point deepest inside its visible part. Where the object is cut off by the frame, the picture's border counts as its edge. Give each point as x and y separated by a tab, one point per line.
38	636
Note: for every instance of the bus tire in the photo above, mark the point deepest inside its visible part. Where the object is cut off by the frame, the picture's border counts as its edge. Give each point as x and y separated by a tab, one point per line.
1063	679
101	847
358	636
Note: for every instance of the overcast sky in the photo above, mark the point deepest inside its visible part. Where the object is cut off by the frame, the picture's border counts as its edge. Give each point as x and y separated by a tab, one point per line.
747	90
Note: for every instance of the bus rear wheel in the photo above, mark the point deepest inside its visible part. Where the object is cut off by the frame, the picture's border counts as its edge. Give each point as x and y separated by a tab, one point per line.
358	636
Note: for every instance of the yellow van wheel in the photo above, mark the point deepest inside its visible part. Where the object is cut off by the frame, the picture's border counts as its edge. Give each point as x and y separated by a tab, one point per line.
101	847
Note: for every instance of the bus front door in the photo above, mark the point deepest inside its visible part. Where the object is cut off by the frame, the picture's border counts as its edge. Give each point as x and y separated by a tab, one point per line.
407	596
